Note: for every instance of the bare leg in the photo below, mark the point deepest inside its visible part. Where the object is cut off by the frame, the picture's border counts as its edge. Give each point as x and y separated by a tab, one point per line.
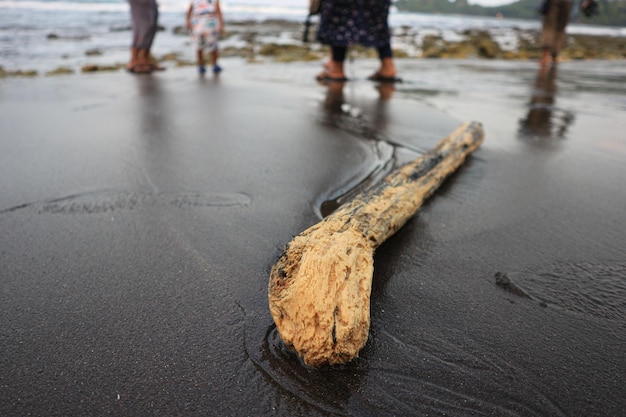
327	63
200	58
133	59
545	57
564	11
387	68
215	54
333	70
549	33
143	62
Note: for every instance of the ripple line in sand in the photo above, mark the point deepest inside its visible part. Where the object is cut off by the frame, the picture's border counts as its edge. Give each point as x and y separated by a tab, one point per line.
588	288
439	376
325	391
103	201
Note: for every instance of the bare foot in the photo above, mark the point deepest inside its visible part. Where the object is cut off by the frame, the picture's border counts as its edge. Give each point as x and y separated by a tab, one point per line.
385	91
331	76
387	70
333	71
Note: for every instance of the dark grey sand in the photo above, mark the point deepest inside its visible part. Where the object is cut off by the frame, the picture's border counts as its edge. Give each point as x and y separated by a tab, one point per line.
140	217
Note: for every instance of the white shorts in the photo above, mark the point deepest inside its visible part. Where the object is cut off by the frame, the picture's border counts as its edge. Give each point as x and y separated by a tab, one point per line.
205	34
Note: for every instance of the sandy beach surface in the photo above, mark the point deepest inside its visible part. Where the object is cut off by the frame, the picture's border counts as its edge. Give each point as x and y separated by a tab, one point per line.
140	217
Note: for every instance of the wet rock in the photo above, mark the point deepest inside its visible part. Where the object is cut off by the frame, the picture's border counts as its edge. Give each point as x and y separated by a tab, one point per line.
476	44
289	53
60	71
594	47
248	22
521	55
433	46
172	56
480	44
487	47
184	63
248	37
125	28
25	73
18	73
54	36
460	50
282	23
400	53
231	51
483	43
101	68
180	30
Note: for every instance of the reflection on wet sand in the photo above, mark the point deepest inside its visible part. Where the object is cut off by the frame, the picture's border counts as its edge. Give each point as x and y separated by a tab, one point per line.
151	106
381	118
544	119
346	115
334	101
337	108
153	135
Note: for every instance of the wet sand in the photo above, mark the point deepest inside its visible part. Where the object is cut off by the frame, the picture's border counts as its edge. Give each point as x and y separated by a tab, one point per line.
140	217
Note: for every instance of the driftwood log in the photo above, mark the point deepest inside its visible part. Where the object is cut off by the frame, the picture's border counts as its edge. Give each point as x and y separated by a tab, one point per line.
319	289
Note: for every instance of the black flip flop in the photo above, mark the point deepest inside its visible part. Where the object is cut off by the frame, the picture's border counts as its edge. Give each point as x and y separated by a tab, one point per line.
382	79
327	78
140	69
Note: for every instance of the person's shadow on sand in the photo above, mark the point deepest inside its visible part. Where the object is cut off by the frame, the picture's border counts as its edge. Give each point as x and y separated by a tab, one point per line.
544	120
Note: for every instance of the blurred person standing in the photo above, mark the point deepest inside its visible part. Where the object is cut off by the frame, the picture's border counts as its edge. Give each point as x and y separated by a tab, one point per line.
144	17
204	20
348	22
556	16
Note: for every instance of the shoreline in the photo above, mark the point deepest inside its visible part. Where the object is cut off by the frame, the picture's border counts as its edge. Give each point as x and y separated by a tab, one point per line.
275	40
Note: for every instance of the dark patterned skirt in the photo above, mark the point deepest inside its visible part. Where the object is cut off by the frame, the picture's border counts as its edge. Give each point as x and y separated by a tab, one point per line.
349	22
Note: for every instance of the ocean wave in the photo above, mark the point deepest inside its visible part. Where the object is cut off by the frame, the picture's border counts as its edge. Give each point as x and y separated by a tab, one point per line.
296	10
86	6
65	6
285	7
264	10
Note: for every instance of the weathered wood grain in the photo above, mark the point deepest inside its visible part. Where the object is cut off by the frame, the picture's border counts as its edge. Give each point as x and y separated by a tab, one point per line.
319	289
